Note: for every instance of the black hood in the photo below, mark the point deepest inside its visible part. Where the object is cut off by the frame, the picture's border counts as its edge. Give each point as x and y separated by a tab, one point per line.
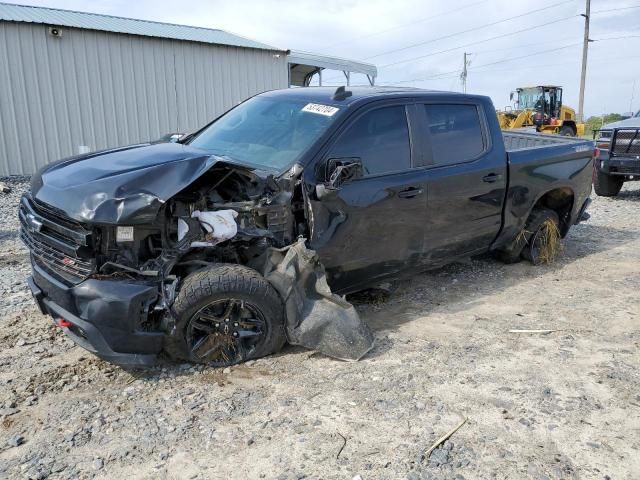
120	186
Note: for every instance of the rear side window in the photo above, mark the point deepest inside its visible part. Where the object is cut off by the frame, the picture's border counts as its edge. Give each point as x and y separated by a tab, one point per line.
456	134
380	138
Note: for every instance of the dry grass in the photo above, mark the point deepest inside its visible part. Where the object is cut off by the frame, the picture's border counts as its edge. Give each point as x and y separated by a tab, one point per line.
550	242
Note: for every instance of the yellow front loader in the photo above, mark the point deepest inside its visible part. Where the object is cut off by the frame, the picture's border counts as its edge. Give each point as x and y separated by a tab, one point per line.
541	107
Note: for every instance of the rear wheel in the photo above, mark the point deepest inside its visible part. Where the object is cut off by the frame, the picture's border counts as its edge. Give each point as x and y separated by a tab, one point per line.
544	242
606	185
226	314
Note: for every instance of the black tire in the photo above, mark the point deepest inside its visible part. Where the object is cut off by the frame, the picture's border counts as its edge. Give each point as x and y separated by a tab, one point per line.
606	185
536	227
567	131
244	317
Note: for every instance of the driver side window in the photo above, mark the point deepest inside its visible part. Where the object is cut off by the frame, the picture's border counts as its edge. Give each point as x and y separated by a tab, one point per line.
380	138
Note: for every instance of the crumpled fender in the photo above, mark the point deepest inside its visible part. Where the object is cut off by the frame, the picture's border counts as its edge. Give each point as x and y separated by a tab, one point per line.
316	318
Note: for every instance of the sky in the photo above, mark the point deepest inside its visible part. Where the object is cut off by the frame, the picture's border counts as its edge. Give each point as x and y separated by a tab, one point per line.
420	43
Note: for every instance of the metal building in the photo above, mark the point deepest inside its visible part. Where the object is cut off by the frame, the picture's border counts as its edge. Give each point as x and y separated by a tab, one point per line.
72	81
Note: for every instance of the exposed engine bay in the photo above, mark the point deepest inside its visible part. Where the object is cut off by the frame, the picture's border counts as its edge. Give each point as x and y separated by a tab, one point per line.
194	226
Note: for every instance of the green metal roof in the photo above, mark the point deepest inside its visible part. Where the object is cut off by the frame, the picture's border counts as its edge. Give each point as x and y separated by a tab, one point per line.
92	21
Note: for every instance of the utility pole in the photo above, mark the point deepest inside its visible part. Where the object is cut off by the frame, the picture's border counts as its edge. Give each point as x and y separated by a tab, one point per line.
463	75
633	92
585	47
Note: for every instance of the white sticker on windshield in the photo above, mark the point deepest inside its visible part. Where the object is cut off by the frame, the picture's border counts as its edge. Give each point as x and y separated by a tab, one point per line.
325	110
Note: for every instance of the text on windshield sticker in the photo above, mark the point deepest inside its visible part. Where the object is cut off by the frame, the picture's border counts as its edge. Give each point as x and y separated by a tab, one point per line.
325	110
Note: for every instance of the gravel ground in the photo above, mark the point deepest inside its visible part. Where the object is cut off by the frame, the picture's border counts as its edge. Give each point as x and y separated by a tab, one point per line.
561	405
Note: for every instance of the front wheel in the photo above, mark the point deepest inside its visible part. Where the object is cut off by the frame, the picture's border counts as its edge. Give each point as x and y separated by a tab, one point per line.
225	315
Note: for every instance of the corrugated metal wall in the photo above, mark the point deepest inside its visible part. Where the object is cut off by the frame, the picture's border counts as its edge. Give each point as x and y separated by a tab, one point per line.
104	90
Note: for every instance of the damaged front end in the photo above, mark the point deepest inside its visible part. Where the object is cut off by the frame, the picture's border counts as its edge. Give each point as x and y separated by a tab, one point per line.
109	266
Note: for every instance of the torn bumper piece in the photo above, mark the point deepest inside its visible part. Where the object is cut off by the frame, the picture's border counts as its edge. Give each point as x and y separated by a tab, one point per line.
316	318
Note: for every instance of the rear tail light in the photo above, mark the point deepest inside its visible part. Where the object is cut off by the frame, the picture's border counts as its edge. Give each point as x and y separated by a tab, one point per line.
596	153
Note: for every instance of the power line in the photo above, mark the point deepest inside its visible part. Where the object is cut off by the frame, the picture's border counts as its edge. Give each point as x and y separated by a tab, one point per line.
493	70
469	30
478	42
415	22
536	44
493	63
528	29
616	9
616	38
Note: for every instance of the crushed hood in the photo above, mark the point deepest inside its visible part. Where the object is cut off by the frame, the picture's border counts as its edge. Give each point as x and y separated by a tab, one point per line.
120	186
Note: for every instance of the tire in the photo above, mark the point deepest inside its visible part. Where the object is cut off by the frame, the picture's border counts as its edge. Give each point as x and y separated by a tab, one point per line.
606	185
537	227
567	131
224	315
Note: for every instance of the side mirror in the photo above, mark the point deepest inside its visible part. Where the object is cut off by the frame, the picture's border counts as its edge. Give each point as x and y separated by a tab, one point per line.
338	171
341	170
511	96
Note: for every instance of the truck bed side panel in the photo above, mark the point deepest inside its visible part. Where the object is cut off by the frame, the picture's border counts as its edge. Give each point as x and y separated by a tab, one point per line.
539	164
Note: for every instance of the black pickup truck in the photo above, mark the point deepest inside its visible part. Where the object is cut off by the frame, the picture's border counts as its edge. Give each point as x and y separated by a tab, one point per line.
224	245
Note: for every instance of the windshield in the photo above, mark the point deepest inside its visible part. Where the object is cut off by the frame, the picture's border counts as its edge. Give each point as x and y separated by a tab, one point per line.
637	115
529	99
267	132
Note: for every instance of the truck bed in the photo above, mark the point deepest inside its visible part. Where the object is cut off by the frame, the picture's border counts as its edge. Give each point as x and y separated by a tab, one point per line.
539	163
521	140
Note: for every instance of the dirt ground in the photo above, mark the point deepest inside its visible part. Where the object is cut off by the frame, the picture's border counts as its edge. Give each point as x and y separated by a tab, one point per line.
543	406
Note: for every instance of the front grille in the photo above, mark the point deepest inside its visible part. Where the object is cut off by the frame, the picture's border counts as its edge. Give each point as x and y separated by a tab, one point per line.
57	243
56	215
49	257
626	142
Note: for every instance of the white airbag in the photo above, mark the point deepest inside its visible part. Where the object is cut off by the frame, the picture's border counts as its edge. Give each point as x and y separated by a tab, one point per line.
220	226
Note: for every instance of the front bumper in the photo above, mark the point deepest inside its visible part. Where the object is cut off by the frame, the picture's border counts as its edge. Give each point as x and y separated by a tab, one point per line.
109	318
618	166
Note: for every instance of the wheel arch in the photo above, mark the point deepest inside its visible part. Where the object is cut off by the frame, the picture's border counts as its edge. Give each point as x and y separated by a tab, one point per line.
561	200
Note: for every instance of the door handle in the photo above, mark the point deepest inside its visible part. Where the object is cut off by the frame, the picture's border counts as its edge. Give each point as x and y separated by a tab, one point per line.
491	178
410	192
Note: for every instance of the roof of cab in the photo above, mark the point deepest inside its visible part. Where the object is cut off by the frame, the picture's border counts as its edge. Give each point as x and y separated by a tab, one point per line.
326	94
